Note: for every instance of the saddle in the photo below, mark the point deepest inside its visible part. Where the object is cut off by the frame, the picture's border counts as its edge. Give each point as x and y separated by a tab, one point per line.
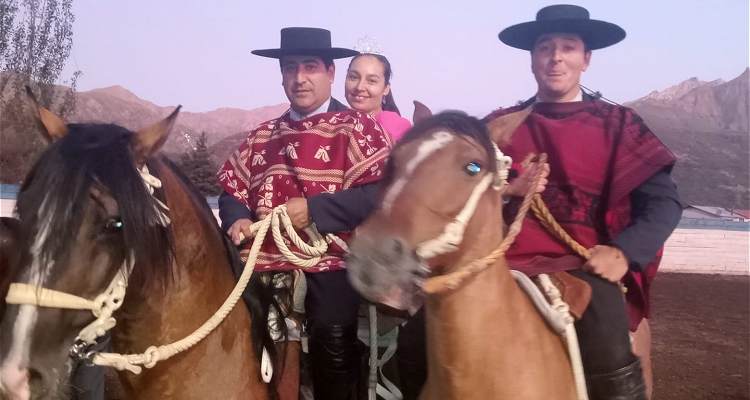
574	293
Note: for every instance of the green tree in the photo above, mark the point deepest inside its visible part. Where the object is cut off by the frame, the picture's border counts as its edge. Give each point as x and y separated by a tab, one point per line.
200	167
36	37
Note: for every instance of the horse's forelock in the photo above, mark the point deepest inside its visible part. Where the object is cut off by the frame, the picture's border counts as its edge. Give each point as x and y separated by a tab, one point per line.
456	122
58	188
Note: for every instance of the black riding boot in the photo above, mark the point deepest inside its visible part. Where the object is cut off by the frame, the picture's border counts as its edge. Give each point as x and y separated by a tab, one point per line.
411	356
412	377
624	384
335	358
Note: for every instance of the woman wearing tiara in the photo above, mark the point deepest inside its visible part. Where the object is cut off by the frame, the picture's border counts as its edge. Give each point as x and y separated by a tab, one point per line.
368	88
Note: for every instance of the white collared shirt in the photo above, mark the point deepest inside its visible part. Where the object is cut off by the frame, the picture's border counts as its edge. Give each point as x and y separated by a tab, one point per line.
295	116
579	97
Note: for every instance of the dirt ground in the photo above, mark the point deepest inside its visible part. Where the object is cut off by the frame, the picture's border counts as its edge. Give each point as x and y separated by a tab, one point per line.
701	342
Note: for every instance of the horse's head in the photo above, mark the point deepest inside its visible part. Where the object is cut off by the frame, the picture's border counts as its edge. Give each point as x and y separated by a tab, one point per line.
442	183
87	215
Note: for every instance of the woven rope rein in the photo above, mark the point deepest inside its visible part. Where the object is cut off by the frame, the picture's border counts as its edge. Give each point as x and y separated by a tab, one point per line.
547	220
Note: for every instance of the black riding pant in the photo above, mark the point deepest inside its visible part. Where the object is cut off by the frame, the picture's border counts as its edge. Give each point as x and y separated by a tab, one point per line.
330	300
602	334
603	330
331	309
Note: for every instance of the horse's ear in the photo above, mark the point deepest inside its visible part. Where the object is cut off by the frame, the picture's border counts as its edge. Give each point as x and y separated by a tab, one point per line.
502	128
49	125
147	142
420	112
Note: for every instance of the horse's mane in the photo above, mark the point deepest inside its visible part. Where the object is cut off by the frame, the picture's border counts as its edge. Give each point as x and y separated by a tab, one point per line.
457	122
55	192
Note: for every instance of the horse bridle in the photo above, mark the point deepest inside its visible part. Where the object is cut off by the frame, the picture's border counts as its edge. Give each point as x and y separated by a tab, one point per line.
103	305
453	233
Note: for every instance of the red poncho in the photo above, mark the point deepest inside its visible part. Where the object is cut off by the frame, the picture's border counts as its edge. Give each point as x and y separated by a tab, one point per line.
598	153
283	159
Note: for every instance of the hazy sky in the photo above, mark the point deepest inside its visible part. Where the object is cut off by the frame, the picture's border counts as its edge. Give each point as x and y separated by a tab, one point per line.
445	54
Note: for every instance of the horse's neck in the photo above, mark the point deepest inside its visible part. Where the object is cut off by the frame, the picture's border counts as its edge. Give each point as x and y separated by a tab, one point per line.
465	327
202	281
483	333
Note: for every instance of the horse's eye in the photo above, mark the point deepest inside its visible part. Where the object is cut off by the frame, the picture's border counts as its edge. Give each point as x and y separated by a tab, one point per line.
113	225
473	168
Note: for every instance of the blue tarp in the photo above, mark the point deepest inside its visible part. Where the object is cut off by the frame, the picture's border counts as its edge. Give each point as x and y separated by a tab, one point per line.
8	192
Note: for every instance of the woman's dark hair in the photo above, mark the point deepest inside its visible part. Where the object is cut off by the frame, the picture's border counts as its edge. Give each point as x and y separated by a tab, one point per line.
388	103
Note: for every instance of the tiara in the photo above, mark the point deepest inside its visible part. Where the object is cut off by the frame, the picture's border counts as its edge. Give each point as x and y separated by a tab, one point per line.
368	45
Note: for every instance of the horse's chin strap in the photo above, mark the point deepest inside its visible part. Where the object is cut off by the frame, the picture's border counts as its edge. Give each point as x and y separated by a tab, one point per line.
453	234
103	306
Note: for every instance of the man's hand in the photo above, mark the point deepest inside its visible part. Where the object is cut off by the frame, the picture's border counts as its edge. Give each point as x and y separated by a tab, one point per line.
520	186
297	210
241	226
608	262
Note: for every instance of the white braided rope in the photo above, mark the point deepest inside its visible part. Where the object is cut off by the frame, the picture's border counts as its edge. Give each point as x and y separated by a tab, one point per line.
555	299
372	382
453	234
103	306
313	251
273	222
152	183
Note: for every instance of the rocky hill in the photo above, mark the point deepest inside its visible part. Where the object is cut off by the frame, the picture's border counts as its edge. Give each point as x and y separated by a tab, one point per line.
706	125
118	105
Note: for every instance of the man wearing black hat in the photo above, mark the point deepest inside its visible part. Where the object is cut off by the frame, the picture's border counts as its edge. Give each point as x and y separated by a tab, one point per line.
322	161
609	188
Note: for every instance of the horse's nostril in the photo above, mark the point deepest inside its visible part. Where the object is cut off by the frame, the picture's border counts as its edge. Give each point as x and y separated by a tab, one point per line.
366	278
398	246
35	375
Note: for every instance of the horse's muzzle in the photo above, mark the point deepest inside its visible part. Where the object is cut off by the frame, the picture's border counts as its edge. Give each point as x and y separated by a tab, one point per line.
385	270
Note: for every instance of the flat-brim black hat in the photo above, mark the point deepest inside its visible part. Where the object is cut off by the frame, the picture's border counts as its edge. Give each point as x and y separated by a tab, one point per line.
306	42
563	18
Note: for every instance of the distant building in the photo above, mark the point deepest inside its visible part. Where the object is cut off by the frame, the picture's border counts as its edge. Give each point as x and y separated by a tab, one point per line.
719	213
745	214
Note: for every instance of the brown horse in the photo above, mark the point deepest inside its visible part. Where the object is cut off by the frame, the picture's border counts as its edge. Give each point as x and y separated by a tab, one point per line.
85	214
485	339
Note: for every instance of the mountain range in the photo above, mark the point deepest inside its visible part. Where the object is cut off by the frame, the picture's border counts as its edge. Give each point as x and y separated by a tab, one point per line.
705	124
118	105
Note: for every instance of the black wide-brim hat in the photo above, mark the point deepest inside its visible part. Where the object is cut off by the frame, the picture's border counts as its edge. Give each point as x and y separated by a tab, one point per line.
306	42
563	18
